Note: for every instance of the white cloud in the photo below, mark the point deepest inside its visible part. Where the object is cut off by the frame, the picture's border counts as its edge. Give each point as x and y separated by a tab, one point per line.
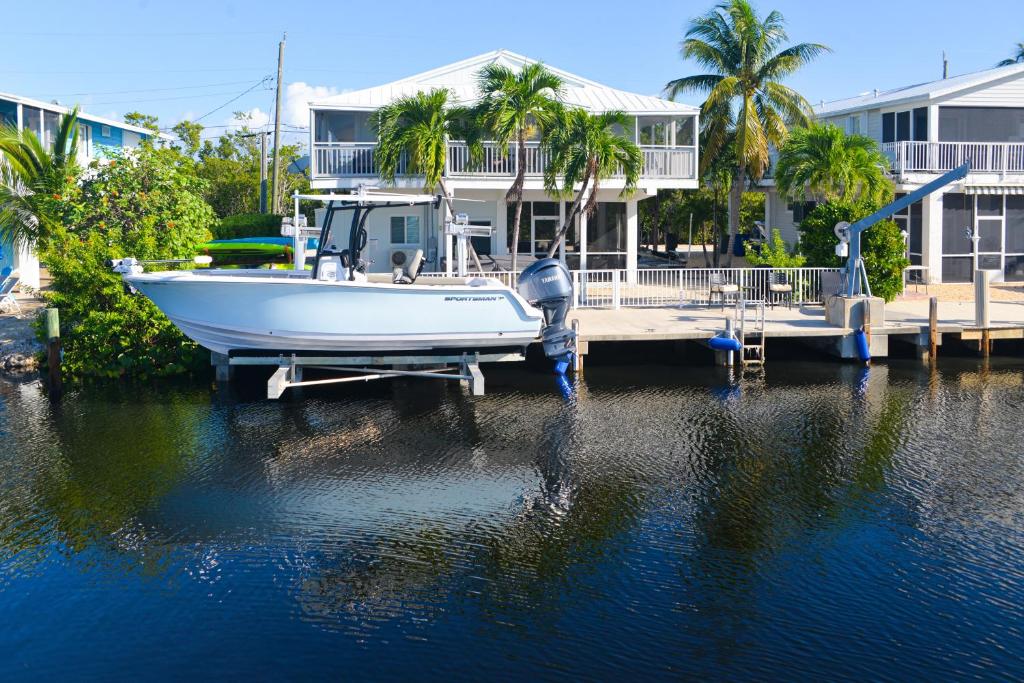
297	97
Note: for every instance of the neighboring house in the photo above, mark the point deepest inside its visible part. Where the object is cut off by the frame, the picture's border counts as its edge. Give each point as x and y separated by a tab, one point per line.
95	135
929	129
342	146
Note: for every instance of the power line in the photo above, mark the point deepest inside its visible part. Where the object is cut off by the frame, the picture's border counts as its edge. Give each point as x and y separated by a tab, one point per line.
169	88
166	99
262	81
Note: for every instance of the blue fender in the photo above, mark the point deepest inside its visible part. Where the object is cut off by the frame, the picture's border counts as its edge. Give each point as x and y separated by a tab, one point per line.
861	339
725	344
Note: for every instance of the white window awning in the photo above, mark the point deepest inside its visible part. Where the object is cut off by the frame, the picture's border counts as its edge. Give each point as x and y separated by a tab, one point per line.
994	189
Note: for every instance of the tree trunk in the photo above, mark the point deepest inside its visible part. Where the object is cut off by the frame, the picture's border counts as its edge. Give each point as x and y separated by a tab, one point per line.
735	203
515	233
573	210
515	193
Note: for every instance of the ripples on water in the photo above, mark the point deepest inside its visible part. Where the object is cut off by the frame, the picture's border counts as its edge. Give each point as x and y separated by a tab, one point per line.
813	521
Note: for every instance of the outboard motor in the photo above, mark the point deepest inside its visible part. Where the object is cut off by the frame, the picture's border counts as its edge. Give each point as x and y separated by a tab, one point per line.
546	283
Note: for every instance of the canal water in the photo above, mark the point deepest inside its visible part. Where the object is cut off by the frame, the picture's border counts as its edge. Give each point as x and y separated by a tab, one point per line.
813	521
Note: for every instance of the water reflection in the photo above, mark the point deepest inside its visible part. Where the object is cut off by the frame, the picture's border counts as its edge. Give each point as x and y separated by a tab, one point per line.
661	500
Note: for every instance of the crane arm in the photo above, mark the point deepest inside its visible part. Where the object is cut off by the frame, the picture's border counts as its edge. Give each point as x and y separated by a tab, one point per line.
852	280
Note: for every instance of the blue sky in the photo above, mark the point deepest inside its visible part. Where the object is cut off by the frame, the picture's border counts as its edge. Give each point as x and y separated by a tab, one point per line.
186	58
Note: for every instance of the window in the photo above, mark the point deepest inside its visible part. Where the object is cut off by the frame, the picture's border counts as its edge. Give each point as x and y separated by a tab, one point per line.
343	126
405	230
921	124
105	131
652	130
853	125
30	120
902	126
606	229
8	113
981	124
684	132
51	121
956	218
889	127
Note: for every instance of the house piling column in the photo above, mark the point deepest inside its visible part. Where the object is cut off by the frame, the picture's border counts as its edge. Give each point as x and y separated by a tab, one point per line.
931	236
632	240
561	221
501	228
444	241
581	219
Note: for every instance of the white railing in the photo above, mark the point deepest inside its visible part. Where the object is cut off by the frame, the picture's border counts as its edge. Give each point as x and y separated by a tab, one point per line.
652	287
938	157
356	159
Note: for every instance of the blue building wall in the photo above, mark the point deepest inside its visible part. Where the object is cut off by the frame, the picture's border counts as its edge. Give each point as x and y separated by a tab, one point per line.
99	141
6	255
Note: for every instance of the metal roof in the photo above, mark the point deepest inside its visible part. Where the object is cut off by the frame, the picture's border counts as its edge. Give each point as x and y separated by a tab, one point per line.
920	91
460	78
61	109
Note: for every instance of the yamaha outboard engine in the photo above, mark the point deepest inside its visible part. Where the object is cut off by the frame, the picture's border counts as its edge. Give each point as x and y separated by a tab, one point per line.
547	284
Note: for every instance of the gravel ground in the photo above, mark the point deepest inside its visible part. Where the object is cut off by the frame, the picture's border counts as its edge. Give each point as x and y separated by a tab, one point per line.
964	292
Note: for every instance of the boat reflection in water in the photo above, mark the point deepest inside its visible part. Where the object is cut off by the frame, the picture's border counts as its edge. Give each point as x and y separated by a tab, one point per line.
643	524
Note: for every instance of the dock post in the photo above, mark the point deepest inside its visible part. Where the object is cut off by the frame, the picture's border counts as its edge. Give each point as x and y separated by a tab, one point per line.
51	317
933	328
982	301
221	366
581	348
726	358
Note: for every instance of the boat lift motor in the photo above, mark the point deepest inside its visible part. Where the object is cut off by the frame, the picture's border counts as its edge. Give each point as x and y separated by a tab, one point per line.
546	283
849	235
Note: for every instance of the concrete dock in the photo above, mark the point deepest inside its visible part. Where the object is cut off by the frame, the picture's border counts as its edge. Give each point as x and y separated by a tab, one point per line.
905	320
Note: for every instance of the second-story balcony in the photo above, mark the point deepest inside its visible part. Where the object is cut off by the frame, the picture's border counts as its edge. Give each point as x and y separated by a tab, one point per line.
356	160
1002	158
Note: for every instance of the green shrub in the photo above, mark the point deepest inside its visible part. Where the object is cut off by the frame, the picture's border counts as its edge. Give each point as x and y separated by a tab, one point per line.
882	246
248	225
149	205
773	253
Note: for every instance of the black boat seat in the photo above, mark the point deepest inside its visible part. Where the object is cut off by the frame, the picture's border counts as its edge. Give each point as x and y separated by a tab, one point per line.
408	275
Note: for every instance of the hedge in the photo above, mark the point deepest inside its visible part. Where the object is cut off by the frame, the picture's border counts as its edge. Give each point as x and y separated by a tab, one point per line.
248	225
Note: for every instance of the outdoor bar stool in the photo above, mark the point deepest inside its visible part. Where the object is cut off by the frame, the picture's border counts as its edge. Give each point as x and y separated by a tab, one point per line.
780	289
721	287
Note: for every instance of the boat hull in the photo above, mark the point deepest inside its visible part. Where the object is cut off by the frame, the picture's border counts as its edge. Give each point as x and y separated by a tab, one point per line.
274	313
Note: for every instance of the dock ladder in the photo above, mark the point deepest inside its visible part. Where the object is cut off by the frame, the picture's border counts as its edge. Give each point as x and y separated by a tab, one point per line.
751	330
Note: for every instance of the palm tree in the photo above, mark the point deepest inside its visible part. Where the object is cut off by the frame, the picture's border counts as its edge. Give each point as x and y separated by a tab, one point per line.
412	139
584	150
744	89
823	160
1016	59
413	134
513	105
30	176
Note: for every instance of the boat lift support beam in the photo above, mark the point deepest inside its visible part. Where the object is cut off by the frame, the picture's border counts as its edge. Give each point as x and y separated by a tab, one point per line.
464	367
854	264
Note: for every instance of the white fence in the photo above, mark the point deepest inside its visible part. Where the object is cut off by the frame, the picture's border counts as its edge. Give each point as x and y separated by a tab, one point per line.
936	157
356	159
651	287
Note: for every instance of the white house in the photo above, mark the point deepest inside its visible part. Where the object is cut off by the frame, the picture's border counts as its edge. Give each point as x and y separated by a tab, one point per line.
342	145
96	136
929	129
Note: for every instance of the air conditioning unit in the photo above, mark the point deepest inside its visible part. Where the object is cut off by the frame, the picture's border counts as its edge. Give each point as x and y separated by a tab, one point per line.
401	257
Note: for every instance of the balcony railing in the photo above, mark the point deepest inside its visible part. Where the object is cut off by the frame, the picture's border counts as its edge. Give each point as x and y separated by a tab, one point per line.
356	159
939	157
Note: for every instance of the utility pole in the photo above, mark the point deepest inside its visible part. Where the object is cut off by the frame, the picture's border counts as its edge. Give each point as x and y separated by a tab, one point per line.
275	179
263	167
263	171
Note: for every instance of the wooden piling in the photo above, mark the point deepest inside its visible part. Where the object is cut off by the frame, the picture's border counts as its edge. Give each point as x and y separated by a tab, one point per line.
51	319
933	328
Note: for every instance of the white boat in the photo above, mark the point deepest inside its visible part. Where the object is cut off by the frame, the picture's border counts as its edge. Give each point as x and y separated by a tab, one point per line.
336	308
